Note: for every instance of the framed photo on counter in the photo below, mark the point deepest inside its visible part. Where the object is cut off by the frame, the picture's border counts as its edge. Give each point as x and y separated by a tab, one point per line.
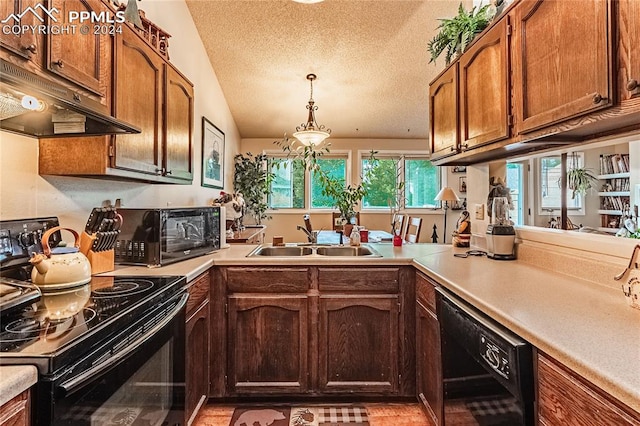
212	155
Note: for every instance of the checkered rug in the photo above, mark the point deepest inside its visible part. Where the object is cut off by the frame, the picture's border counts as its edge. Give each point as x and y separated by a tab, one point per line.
300	416
495	412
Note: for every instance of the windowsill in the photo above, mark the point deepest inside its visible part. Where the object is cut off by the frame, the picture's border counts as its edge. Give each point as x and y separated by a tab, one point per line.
426	211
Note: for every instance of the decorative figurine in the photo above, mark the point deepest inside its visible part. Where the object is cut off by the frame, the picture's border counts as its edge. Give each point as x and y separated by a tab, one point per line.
462	234
434	236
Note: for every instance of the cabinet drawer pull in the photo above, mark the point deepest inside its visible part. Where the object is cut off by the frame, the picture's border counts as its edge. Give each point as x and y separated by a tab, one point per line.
632	84
597	98
59	63
453	149
31	48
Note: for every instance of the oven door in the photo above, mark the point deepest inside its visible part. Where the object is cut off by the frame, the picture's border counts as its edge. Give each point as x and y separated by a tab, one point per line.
135	378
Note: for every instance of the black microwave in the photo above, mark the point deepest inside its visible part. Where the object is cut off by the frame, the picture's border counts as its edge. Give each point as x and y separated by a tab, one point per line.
156	237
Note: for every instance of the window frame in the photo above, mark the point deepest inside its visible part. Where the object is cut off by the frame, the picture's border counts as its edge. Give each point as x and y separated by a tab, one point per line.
338	153
405	154
551	210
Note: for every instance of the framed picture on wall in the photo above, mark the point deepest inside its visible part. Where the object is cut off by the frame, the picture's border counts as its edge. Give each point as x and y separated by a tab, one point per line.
463	184
212	155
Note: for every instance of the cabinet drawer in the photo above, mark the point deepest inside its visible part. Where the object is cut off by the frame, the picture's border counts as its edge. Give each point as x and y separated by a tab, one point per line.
382	280
267	280
198	291
426	291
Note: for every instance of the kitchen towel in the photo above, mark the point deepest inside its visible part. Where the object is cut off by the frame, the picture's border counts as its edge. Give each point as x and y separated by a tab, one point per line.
300	416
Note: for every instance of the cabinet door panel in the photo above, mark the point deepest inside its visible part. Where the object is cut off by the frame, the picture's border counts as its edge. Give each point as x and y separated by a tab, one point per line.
178	124
628	49
443	113
484	89
138	100
24	43
358	344
429	365
197	358
562	62
83	59
268	344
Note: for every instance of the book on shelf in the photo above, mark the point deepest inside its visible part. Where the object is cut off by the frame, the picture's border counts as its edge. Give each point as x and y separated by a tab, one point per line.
614	163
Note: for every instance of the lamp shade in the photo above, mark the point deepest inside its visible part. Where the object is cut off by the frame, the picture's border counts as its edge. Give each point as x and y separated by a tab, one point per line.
311	137
446	194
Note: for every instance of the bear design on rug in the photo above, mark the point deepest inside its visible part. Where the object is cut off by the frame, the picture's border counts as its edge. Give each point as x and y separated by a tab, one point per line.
262	417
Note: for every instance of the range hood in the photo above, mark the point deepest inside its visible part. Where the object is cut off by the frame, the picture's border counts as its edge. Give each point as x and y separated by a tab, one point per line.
34	106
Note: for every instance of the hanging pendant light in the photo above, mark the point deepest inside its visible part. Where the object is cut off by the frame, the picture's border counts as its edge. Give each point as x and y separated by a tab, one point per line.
310	133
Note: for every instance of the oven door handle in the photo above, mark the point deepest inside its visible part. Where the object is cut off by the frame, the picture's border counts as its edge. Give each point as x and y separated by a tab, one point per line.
72	384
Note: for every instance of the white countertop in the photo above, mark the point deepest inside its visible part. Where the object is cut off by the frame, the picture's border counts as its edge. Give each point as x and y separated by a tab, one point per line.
588	327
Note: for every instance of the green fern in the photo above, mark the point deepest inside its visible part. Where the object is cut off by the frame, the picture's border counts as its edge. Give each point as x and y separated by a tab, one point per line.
458	32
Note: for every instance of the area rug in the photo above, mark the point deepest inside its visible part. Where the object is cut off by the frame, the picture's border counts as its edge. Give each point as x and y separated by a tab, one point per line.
300	416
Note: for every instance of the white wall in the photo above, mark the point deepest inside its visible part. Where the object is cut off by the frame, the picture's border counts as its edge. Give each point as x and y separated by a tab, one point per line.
23	193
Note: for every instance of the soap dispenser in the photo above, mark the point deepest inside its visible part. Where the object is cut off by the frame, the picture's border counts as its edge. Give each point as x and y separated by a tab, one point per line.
354	238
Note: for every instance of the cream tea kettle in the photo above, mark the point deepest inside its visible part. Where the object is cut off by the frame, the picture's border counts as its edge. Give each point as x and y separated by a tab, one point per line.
60	267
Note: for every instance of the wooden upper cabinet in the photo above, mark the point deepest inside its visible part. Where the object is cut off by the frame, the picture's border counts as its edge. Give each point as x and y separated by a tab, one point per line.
25	43
443	113
628	45
83	59
562	60
138	95
484	89
178	122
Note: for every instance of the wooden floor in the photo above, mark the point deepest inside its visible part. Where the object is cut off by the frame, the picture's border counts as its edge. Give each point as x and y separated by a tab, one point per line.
379	415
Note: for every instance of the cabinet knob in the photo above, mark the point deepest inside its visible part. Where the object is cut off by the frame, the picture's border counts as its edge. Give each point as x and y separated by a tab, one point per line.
168	172
453	149
160	171
59	63
31	48
632	84
597	98
464	146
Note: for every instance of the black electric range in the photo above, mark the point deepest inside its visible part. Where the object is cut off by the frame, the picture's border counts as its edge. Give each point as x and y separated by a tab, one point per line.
64	325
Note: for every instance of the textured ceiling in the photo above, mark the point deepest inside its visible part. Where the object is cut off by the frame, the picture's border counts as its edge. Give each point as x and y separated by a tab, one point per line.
370	58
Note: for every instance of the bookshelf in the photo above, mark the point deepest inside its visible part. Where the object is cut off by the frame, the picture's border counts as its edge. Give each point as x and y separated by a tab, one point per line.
615	191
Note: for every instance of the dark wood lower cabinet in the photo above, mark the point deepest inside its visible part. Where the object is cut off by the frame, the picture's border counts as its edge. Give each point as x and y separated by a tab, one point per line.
428	348
267	341
197	346
565	398
358	344
316	331
15	412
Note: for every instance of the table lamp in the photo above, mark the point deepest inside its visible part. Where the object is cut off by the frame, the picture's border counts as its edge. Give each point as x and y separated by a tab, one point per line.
446	194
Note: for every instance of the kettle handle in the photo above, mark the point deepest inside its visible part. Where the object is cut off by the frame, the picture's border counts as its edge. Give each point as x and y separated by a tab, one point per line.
46	250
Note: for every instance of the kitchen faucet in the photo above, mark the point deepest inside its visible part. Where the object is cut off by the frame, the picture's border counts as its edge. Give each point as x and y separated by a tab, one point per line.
311	235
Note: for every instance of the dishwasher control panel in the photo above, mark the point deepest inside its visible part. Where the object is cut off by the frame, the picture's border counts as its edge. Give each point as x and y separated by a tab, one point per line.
496	358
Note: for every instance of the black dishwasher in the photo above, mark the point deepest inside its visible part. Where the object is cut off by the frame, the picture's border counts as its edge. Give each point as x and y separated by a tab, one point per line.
487	369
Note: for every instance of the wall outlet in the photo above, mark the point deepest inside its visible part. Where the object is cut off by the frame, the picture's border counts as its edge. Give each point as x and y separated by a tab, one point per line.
479	211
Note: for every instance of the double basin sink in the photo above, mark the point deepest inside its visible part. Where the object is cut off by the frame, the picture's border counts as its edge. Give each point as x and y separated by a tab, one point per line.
310	250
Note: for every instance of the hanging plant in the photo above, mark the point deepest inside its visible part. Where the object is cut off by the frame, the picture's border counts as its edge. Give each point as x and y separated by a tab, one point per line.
579	179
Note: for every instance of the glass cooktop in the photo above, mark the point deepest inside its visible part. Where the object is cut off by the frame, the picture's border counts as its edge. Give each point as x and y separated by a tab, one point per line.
55	329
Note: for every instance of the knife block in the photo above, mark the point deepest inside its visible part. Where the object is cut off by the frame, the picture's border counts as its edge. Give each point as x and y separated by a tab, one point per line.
101	261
